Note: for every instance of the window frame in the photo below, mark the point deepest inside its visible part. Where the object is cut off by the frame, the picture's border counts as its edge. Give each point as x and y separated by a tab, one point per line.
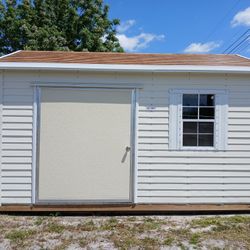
220	119
198	120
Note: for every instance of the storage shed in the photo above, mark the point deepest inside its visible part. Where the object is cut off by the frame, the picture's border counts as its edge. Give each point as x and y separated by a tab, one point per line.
124	132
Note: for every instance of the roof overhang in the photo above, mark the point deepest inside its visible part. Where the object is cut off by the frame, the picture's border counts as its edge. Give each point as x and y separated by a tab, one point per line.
124	68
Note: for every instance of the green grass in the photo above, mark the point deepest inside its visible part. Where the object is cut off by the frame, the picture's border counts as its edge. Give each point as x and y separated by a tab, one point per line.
149	224
131	218
109	225
125	241
168	241
19	235
218	221
83	242
195	238
39	221
132	232
53	227
88	226
149	243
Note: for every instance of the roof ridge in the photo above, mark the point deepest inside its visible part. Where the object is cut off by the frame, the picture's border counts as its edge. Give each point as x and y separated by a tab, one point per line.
120	53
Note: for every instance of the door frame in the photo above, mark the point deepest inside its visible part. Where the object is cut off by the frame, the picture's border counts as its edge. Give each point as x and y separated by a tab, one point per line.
36	144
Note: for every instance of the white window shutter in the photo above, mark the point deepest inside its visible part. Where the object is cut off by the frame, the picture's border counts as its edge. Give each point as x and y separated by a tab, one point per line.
221	118
222	121
174	113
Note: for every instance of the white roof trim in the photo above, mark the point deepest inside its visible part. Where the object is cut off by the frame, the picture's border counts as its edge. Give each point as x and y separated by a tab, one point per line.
10	54
123	67
245	57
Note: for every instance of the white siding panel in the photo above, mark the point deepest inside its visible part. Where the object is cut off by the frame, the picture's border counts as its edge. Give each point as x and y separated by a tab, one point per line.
154	133
167	176
238	128
17	132
199	186
14	152
190	160
238	141
196	167
153	140
239	114
14	159
153	121
191	174
17	107
193	200
18	166
164	176
153	127
17	112
153	146
9	187
17	136
153	114
16	173
17	146
17	119
17	140
238	147
16	199
195	193
17	180
10	125
195	180
19	193
239	134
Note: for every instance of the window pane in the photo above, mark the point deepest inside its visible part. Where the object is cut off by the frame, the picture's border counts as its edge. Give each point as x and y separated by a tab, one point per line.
190	113
189	140
190	127
190	100
206	140
206	127
206	113
206	100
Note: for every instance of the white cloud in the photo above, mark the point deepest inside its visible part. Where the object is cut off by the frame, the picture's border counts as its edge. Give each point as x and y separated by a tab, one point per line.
242	18
138	42
124	26
201	47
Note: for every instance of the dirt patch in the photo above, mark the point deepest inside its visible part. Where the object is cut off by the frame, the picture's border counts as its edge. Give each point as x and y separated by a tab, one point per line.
125	232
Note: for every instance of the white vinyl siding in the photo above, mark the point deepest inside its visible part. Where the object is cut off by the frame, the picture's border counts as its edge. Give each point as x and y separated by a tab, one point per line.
167	175
17	117
164	175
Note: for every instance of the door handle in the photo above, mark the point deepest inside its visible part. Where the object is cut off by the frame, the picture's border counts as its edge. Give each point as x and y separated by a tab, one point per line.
128	149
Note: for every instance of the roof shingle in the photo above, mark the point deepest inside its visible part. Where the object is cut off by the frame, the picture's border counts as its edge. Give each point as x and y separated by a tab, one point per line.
126	58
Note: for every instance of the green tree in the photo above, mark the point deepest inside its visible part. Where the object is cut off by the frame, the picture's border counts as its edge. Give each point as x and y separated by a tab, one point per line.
78	25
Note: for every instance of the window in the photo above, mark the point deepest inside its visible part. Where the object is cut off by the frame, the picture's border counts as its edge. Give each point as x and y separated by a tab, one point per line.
198	119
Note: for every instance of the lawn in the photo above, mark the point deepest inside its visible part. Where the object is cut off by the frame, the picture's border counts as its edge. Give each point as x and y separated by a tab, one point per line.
125	232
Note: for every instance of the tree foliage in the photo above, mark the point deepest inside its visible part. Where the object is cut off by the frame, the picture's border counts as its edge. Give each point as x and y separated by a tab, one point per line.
76	25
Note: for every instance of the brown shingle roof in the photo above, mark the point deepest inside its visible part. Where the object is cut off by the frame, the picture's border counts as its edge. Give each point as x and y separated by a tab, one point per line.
126	58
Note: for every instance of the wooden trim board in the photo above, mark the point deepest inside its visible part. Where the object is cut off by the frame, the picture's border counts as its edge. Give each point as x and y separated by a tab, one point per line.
127	208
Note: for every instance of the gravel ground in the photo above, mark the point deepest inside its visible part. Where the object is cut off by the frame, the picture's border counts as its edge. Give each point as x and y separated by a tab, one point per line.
125	232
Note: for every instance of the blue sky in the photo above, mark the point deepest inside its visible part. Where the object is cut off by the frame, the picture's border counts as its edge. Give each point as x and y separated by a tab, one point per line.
182	26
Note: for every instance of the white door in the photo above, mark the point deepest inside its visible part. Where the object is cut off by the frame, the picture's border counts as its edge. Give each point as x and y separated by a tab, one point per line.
84	145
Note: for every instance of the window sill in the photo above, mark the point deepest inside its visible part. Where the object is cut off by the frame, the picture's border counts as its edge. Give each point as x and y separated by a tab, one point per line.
198	149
